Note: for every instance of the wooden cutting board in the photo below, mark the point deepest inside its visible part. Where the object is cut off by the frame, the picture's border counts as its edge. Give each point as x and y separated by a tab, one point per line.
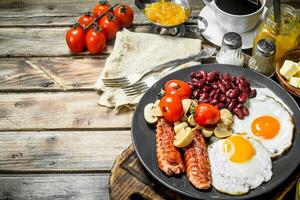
129	180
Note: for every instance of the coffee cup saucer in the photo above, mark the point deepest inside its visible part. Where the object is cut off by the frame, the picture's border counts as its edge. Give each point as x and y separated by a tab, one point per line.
214	33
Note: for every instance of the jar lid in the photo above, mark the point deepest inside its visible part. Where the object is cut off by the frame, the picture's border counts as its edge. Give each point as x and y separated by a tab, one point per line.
266	47
232	40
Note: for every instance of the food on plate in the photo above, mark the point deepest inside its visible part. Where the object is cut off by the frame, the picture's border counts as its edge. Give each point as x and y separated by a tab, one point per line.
244	133
168	156
238	164
206	114
178	87
171	107
86	19
166	13
197	162
183	138
95	40
222	131
124	15
178	127
102	7
222	91
75	38
110	25
268	122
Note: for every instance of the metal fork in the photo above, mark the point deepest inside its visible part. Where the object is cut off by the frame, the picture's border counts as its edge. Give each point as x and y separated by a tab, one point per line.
140	87
135	77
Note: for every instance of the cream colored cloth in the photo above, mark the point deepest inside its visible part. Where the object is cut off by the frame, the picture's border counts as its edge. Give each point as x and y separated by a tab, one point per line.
137	52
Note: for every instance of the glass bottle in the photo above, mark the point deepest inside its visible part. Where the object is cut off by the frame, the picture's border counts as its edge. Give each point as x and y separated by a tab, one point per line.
262	59
231	50
285	34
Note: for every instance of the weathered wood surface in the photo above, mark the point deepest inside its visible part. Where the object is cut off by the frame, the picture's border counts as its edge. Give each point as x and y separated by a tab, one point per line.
60	13
61	150
54	186
18	74
69	110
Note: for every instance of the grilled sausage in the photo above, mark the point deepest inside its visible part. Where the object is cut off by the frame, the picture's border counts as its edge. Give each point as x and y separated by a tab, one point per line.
197	162
168	156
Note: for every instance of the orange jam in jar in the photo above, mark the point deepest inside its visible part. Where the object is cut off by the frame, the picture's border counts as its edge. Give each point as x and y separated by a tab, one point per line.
166	13
285	34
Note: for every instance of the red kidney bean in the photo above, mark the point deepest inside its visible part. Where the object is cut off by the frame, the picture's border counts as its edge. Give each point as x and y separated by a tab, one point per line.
191	86
239	113
226	76
211	76
193	75
233	85
203	96
220	105
214	85
243	88
227	101
200	84
252	93
195	80
212	93
216	96
203	74
218	91
243	97
222	98
232	104
245	110
239	105
205	101
233	93
206	88
222	87
198	76
213	102
196	93
195	84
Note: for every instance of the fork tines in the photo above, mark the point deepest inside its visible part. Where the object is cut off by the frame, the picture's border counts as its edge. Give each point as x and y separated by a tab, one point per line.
116	82
135	89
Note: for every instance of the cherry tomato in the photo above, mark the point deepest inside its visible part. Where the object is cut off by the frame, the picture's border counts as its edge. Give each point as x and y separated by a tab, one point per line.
86	19
75	38
110	25
171	108
178	87
124	14
206	114
95	40
101	8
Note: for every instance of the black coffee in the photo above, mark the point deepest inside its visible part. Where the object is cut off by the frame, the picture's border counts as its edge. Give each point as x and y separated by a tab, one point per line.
238	7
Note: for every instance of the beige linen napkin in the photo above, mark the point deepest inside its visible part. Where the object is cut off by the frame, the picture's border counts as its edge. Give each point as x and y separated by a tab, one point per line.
137	52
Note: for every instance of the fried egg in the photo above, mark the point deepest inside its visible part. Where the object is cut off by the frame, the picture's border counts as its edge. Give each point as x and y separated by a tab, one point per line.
238	164
269	122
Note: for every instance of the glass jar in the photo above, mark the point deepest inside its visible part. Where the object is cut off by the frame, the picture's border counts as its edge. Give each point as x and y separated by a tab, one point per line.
286	34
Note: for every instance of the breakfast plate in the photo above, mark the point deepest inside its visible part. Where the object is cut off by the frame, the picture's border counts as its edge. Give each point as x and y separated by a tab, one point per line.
143	136
214	33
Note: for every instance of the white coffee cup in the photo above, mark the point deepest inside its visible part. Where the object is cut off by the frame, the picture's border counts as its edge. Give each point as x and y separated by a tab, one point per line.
236	23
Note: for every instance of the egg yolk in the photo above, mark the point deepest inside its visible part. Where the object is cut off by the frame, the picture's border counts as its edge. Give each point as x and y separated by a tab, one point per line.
239	148
265	126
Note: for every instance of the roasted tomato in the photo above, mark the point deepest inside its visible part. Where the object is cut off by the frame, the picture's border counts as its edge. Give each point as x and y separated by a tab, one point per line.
206	114
101	8
95	40
124	14
171	108
178	87
110	25
86	19
75	38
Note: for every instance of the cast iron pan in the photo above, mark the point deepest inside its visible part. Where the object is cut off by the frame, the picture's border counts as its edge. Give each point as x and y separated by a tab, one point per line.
143	136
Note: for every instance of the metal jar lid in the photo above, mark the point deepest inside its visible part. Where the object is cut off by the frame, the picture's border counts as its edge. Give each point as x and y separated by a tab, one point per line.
266	48
232	40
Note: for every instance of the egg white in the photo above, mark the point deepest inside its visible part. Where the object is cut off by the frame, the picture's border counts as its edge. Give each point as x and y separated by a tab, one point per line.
268	106
238	178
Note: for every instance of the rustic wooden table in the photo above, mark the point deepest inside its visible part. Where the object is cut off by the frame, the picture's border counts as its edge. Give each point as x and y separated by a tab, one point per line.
55	141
